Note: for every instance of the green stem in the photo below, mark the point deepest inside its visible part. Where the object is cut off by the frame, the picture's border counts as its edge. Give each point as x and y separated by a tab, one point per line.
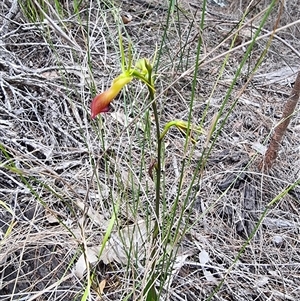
150	287
158	169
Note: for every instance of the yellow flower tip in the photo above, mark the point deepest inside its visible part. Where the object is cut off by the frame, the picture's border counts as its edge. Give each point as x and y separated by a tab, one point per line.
141	66
100	103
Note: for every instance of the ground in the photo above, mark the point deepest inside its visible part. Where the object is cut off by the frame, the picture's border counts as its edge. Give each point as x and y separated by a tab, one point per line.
60	170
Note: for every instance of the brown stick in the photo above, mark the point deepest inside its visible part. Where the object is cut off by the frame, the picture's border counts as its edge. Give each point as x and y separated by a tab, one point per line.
272	151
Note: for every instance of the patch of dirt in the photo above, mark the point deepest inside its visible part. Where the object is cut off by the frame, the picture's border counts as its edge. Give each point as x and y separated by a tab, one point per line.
52	160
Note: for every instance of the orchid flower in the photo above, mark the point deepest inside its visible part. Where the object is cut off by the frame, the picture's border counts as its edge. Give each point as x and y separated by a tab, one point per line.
100	103
142	71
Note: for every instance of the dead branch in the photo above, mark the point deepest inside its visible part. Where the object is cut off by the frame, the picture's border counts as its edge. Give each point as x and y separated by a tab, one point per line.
280	130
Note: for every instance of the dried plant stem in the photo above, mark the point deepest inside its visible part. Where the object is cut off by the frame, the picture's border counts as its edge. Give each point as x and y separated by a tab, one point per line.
288	111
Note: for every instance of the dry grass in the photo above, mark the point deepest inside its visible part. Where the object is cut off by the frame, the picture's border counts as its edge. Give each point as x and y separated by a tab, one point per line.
46	86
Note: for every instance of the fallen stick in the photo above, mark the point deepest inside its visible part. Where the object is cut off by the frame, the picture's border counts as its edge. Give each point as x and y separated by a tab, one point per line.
289	108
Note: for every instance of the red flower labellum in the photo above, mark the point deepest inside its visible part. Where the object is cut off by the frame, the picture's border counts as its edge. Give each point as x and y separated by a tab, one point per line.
100	103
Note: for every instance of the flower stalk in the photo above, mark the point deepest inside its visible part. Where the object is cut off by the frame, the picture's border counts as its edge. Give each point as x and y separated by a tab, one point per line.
101	104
